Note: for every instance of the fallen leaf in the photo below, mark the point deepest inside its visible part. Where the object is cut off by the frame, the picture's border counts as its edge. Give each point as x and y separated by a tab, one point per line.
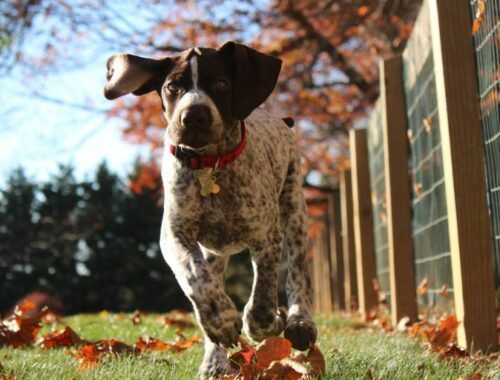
90	354
285	369
272	349
184	343
443	292
65	338
427	122
369	373
146	343
317	360
453	351
475	376
181	323
137	317
363	11
10	376
423	287
444	334
480	16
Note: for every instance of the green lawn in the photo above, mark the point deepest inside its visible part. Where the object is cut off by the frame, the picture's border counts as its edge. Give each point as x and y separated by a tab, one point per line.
351	351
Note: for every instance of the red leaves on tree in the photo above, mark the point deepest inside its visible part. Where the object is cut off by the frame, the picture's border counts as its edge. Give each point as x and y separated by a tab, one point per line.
65	338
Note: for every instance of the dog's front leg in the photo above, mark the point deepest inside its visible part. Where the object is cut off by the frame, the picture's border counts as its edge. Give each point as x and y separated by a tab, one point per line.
261	317
214	310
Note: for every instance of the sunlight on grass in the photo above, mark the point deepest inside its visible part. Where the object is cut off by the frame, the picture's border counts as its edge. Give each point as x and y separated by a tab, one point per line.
352	351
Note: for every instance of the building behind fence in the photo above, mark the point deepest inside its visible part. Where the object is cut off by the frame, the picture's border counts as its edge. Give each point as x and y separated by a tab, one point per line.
433	149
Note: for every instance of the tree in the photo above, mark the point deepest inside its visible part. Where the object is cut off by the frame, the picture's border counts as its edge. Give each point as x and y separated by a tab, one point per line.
330	49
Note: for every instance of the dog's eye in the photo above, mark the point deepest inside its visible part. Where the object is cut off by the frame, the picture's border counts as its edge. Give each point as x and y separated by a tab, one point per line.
221	85
173	88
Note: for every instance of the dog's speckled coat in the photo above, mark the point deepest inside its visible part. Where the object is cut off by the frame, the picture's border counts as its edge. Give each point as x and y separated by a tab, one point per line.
260	206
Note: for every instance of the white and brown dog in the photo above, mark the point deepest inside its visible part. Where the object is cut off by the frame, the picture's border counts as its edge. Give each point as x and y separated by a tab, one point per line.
232	181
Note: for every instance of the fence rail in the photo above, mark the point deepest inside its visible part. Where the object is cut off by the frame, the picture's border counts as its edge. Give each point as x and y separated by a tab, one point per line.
422	202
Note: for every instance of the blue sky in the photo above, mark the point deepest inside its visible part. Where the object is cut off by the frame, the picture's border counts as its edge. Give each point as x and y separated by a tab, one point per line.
38	135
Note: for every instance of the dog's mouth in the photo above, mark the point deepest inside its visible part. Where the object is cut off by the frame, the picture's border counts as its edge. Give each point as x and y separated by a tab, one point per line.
201	142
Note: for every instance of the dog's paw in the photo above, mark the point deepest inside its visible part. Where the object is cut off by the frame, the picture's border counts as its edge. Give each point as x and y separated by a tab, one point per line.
215	362
223	328
259	326
301	331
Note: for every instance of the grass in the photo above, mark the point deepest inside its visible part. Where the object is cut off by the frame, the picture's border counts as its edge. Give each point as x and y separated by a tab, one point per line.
351	350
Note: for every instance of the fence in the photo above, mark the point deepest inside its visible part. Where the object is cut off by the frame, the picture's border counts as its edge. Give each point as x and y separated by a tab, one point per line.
420	206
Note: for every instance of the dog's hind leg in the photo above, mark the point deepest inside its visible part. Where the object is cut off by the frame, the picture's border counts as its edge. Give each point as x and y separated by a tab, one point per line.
300	328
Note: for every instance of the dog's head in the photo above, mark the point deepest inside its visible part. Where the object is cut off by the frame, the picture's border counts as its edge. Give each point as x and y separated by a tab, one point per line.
203	91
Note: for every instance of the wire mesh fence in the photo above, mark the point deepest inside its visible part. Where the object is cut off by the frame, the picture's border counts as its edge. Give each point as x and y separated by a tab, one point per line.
430	218
486	14
378	196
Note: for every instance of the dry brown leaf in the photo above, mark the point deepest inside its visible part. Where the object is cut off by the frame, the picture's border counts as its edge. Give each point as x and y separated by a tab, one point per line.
317	360
65	338
453	351
480	16
285	369
272	349
137	317
444	334
427	122
90	354
363	11
443	292
146	343
423	287
474	376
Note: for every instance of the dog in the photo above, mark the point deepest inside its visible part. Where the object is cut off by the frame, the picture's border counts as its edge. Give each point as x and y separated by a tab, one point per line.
231	174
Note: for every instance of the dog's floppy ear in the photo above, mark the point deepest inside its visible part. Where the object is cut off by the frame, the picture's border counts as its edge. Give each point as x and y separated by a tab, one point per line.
255	75
128	73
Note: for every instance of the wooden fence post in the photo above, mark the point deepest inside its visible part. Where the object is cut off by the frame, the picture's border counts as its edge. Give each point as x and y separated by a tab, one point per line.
397	185
363	221
336	251
350	278
321	273
464	168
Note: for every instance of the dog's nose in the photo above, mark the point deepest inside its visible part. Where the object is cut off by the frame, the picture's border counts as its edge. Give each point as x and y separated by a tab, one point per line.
197	116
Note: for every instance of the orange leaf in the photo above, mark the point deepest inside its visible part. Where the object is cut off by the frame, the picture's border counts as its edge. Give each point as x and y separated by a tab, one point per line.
146	343
363	11
90	354
480	16
453	351
423	287
185	343
444	334
317	360
179	322
65	338
272	349
443	292
285	369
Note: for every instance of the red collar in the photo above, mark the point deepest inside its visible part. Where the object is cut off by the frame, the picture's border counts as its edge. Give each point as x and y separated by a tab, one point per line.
198	161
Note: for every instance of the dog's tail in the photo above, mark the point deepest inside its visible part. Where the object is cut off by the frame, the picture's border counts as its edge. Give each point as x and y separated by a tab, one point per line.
289	121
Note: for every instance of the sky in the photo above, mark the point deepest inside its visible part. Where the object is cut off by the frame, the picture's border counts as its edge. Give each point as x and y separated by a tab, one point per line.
38	134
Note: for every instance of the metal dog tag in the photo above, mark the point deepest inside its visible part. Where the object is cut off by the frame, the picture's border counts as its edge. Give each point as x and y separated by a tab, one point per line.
207	181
